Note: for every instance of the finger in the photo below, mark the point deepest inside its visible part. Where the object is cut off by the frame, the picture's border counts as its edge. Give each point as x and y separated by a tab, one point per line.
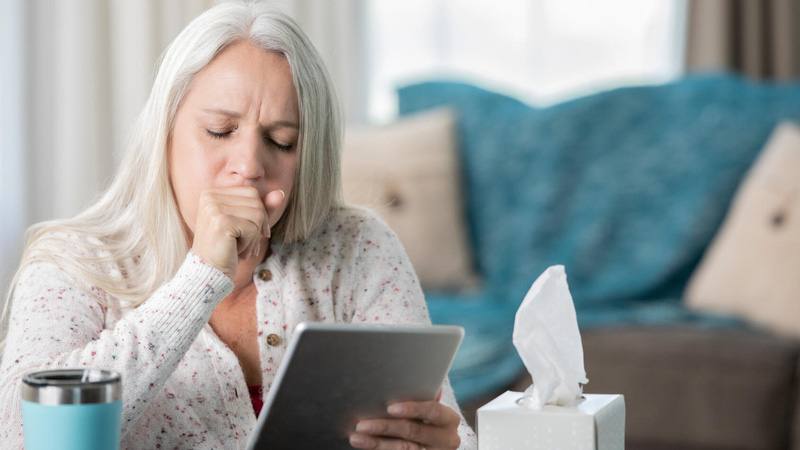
255	214
431	412
244	191
244	200
249	250
237	200
358	440
272	201
439	395
236	196
246	251
408	430
244	231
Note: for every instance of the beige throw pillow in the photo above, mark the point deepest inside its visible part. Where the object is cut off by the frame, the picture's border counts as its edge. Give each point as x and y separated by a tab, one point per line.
408	172
752	268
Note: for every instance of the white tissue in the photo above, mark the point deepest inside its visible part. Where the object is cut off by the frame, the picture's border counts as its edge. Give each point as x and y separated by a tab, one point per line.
547	339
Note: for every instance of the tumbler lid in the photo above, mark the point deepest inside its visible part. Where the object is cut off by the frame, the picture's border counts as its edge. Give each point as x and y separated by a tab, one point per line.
72	386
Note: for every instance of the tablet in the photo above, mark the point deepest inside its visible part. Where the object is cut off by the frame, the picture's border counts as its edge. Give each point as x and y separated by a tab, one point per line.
336	374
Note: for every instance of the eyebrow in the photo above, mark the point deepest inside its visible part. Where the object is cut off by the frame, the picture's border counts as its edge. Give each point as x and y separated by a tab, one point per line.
236	115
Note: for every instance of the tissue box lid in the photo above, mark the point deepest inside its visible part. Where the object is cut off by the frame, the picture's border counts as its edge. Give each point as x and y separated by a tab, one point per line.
589	405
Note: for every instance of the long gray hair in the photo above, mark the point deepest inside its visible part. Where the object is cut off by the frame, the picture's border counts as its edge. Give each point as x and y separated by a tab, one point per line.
137	219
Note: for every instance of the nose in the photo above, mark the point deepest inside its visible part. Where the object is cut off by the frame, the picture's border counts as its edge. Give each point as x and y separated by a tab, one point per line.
247	159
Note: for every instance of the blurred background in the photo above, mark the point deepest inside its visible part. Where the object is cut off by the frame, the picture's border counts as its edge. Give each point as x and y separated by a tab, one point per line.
647	145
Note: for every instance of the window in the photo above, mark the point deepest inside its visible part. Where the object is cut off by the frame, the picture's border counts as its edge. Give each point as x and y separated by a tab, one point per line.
542	51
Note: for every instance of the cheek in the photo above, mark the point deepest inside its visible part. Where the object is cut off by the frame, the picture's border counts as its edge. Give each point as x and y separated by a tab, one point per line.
191	172
288	172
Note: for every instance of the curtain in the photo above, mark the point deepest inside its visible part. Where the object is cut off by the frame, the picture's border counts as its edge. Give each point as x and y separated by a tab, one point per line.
90	67
338	30
76	73
760	39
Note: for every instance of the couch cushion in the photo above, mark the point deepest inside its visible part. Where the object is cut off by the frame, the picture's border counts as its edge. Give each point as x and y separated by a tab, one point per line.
408	173
688	387
752	266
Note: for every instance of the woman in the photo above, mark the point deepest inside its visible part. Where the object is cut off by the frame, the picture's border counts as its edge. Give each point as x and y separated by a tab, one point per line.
222	230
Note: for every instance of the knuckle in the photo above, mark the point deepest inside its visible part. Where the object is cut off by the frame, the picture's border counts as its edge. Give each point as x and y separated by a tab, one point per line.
412	430
455	441
383	427
448	415
221	221
254	227
434	412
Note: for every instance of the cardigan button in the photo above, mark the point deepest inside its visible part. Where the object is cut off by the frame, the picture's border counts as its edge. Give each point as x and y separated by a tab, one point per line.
264	274
273	340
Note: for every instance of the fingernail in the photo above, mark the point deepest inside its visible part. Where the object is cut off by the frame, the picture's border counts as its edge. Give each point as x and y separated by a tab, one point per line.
364	427
358	440
283	194
395	409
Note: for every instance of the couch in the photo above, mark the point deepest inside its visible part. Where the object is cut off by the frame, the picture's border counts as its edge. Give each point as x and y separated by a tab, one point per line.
626	188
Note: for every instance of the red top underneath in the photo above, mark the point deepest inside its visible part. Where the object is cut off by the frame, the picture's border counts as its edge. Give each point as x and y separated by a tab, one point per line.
255	398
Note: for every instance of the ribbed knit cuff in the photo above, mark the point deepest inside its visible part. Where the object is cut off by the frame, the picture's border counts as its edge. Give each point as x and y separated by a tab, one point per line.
182	306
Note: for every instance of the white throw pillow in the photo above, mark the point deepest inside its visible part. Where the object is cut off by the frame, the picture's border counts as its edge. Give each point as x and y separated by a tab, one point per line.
752	268
408	172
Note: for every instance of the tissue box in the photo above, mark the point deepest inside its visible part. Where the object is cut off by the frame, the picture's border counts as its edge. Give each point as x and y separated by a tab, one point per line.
597	422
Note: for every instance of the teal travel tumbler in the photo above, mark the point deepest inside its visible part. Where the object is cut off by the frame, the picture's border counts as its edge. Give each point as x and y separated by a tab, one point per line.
72	409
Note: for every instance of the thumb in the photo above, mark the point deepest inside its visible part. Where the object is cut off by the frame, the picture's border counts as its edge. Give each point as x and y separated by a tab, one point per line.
272	201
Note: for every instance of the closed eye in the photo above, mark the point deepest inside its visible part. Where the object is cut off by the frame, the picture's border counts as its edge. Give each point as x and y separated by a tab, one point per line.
218	135
225	134
282	147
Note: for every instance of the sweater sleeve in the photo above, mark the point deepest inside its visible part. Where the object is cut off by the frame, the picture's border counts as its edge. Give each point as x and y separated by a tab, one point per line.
386	290
54	323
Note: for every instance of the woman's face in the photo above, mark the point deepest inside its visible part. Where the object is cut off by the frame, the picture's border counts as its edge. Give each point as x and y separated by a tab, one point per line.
236	126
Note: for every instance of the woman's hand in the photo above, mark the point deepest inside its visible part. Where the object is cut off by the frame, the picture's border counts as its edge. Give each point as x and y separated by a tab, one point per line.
232	223
415	426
